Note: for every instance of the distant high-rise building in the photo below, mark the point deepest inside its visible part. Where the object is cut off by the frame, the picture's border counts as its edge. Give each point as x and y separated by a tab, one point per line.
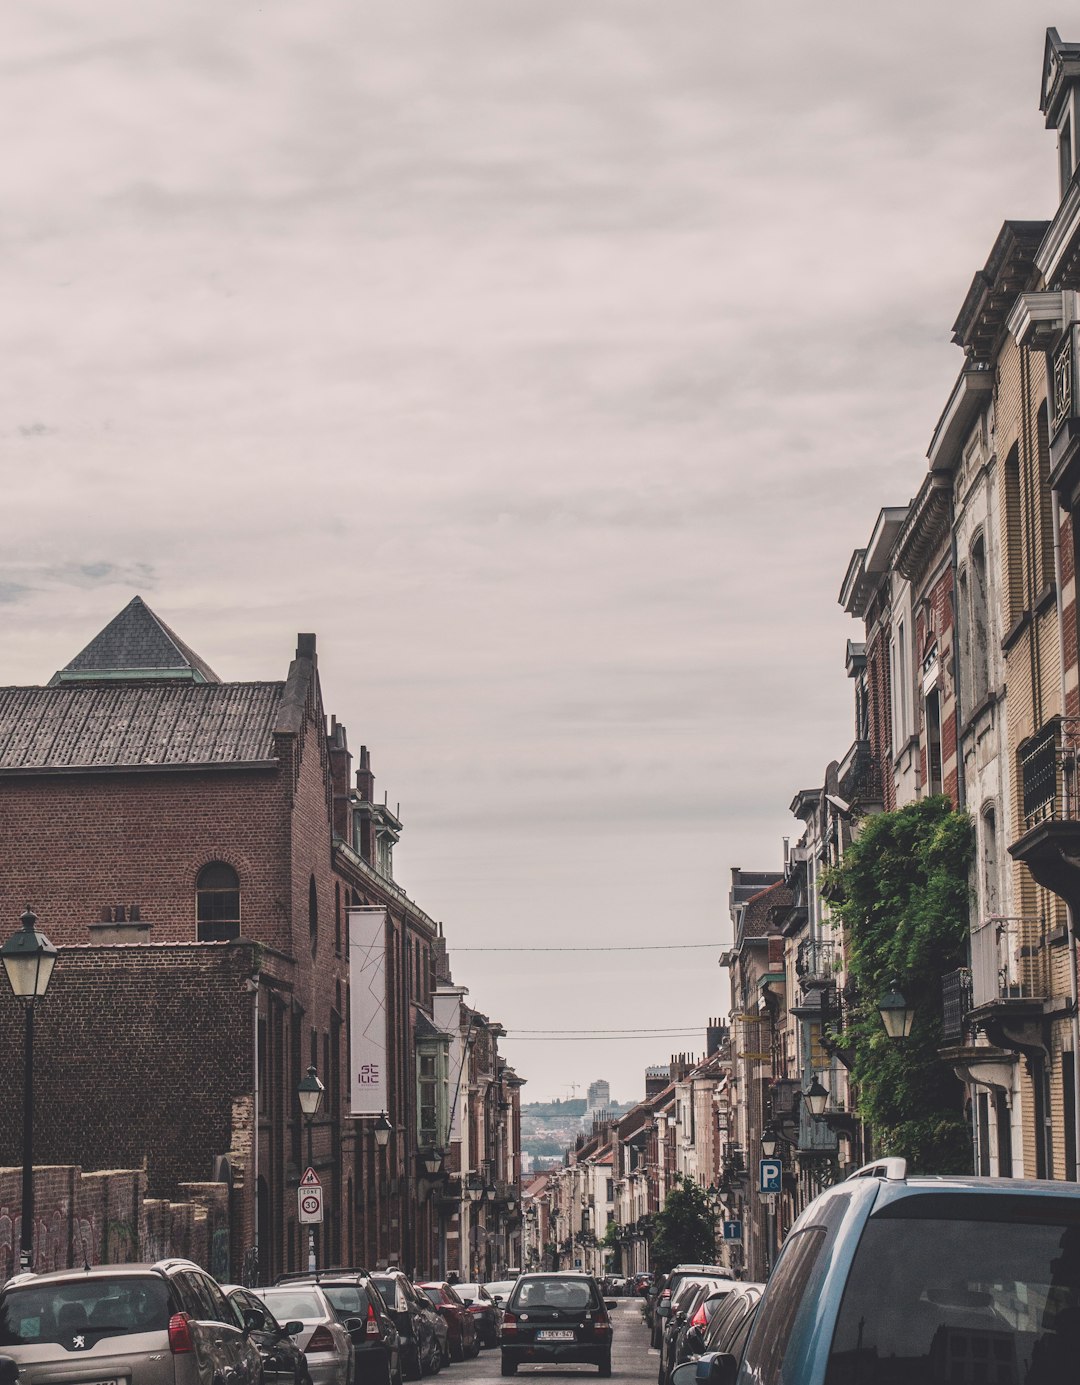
599	1096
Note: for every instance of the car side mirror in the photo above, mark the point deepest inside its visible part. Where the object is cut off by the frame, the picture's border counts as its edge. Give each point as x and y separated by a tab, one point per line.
9	1371
610	1303
723	1369
663	1309
468	1302
356	1328
292	1327
685	1374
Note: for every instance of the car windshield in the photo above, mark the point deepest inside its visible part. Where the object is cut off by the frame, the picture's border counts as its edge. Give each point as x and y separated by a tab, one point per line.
347	1300
470	1290
932	1299
94	1307
388	1288
288	1304
434	1294
566	1294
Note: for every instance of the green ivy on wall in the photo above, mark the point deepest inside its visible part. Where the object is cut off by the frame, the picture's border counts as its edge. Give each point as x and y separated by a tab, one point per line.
901	894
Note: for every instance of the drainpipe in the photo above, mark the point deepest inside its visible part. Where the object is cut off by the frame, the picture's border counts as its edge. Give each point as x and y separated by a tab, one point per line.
1073	995
254	984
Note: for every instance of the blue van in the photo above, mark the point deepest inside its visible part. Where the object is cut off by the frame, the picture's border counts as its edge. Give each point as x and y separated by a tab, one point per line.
890	1280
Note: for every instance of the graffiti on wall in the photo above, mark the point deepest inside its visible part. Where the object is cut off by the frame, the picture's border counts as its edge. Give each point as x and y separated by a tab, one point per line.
50	1242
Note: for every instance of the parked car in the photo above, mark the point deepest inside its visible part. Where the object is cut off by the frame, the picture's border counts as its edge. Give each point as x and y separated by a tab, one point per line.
727	1330
462	1338
484	1310
166	1323
361	1311
557	1318
885	1278
706	1304
500	1290
689	1297
674	1279
283	1363
323	1337
422	1332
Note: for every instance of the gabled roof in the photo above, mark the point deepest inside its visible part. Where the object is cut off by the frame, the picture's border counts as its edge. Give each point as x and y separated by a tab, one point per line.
1061	66
136	646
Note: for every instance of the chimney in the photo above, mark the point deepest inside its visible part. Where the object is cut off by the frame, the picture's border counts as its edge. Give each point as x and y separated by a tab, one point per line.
365	780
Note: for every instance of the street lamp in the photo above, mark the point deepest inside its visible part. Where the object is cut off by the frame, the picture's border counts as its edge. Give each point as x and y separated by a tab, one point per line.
310	1092
383	1129
29	959
896	1014
816	1097
769	1142
432	1161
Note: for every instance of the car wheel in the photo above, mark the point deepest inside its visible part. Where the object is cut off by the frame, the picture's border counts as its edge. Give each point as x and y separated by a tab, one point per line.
414	1367
508	1367
605	1366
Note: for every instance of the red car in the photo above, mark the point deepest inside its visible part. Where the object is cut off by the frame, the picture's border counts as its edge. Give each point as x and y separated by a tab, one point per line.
463	1340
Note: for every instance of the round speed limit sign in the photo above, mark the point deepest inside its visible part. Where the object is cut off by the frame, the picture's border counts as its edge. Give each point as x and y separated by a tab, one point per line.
310	1201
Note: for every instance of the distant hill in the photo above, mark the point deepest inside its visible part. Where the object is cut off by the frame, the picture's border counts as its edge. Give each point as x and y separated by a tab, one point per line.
555	1110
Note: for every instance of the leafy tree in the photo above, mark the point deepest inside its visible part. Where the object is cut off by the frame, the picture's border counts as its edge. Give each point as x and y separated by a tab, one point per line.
685	1231
902	894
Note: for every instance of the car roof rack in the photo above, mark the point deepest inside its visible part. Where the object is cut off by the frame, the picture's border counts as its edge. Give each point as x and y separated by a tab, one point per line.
895	1169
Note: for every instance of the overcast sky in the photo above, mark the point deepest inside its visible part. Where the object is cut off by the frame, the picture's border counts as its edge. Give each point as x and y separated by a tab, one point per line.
548	360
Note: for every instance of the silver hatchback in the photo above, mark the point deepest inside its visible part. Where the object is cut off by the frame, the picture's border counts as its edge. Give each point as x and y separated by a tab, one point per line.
163	1324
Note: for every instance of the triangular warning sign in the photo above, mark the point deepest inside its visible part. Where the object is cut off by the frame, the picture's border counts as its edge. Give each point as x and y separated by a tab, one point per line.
310	1179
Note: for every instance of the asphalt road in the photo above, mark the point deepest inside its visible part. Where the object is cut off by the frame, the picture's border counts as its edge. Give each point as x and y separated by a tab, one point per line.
631	1358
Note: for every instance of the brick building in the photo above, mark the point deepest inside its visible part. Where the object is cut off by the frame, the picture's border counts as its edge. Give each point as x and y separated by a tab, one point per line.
194	847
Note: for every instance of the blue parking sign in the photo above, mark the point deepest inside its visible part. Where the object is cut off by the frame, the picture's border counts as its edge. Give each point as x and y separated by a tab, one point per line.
770	1173
733	1231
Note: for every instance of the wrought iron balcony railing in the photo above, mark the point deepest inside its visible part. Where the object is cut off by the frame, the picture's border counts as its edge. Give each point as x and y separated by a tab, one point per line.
816	959
1009	961
861	780
1049	763
955	1003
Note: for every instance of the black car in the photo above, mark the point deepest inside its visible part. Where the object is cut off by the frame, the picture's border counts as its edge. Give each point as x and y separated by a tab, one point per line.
283	1361
359	1307
558	1318
706	1306
420	1329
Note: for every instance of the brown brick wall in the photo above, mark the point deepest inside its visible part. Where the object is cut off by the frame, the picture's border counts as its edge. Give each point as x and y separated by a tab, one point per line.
106	1218
76	844
138	1055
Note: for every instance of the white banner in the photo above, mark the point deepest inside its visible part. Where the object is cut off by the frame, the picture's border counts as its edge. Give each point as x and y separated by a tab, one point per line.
367	989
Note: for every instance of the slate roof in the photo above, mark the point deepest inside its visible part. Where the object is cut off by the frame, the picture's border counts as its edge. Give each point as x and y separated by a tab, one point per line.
129	725
760	910
136	644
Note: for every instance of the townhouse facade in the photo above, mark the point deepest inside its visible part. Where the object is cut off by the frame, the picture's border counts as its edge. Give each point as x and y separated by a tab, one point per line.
197	850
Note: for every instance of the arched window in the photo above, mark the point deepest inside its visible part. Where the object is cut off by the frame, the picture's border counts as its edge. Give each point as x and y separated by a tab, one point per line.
313	914
217	903
991	868
1013	537
979	644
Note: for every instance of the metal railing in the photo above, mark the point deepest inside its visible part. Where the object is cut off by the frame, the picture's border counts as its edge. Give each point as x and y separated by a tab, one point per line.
816	959
1049	764
1009	960
862	781
1063	383
955	1003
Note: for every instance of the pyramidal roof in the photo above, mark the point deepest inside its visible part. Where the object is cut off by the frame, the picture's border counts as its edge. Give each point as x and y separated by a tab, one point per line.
136	646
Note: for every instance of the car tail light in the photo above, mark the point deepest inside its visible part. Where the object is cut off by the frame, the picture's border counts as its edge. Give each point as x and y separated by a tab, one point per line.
509	1324
322	1339
601	1324
371	1329
666	1293
180	1340
700	1318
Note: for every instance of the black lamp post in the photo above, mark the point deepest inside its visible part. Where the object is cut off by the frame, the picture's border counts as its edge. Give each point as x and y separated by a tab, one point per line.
29	959
769	1142
310	1091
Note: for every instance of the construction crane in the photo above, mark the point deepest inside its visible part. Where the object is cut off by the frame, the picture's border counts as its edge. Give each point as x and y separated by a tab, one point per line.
572	1088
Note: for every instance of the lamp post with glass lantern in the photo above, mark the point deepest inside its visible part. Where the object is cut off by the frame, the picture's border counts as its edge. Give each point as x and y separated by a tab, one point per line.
310	1091
29	959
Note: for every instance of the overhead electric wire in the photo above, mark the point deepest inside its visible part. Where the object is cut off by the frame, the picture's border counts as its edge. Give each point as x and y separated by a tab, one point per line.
615	947
623	1029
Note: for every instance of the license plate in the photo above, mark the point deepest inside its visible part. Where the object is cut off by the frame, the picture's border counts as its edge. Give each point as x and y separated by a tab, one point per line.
555	1334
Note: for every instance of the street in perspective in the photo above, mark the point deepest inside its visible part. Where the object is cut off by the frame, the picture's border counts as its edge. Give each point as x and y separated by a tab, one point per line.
477	476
